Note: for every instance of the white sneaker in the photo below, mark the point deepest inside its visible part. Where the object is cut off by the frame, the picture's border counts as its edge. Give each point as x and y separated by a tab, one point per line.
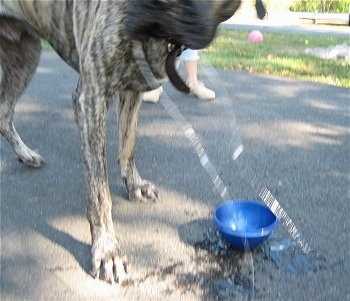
153	95
199	90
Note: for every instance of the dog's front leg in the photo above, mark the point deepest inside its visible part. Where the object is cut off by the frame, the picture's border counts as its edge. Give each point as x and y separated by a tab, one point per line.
90	114
139	190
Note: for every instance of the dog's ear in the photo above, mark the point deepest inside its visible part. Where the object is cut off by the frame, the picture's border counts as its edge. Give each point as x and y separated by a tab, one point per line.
178	21
144	18
192	23
227	9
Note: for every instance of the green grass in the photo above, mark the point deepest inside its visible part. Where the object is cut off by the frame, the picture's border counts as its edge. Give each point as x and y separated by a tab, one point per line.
45	44
279	54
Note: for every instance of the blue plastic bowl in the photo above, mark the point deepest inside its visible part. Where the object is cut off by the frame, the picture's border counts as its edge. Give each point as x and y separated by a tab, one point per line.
244	223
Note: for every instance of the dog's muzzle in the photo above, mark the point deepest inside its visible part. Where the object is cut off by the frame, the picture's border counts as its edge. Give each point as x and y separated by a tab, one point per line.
175	51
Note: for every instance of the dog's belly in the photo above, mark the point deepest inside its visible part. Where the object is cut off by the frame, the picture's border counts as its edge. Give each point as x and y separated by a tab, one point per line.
51	20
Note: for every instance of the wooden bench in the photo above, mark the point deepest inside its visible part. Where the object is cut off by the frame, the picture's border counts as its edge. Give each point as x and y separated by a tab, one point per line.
326	18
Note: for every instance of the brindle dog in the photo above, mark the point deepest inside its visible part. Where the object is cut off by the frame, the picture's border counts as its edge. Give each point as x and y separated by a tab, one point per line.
96	39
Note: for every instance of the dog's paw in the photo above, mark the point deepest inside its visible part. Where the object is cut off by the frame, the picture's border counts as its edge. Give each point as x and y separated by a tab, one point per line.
106	262
30	157
144	192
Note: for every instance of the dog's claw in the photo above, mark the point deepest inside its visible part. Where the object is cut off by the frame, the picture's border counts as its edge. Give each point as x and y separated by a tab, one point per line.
106	263
30	158
145	192
111	270
120	269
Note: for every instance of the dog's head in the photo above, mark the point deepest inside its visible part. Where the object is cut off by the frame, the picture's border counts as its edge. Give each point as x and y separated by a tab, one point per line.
192	23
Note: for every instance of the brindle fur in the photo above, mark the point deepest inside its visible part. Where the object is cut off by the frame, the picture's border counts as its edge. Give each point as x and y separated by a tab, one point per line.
93	37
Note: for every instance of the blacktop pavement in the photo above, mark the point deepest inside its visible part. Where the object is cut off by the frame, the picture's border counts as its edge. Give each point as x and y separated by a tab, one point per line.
297	141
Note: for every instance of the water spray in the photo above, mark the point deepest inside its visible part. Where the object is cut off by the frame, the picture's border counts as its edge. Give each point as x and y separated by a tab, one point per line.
236	148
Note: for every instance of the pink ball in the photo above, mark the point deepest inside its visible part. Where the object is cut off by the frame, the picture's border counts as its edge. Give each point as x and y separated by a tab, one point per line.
255	36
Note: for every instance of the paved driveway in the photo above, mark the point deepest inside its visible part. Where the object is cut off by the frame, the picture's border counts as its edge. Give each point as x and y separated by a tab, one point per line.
296	138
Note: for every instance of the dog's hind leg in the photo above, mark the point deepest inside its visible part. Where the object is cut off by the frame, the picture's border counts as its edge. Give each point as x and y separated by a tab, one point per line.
138	189
19	59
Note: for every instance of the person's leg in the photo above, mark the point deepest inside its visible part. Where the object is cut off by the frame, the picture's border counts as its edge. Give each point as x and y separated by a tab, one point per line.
190	60
153	95
191	71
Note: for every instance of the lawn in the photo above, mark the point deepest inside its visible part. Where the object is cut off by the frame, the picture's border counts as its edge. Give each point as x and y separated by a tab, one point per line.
279	54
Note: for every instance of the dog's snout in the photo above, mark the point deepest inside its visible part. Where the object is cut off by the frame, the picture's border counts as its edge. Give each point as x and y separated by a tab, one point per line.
205	21
192	23
226	9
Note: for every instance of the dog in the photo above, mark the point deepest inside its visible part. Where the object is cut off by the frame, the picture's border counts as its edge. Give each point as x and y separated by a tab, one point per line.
98	39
